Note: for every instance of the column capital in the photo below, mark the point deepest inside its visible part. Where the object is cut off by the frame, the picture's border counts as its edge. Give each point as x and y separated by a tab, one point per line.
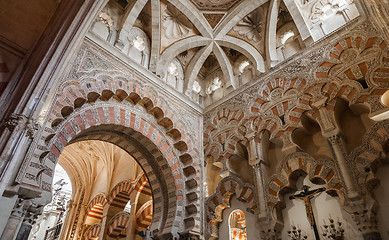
21	207
334	139
20	122
251	135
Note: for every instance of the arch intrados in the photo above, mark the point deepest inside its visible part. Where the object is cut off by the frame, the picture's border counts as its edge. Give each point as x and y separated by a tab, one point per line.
113	193
96	213
121	195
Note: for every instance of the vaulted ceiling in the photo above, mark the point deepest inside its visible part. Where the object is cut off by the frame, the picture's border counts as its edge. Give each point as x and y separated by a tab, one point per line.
212	44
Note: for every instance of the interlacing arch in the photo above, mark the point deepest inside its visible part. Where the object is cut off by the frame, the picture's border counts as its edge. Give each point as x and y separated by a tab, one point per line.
220	200
368	157
278	110
296	165
222	143
357	67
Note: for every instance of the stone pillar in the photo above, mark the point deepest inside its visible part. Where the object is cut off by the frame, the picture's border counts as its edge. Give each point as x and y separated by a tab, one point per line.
260	191
26	226
15	220
337	145
255	161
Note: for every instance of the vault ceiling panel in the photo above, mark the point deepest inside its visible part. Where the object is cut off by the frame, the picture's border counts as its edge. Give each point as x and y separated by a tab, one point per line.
215	5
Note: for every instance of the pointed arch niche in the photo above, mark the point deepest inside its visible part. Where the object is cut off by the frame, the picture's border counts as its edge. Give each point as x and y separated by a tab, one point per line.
324	207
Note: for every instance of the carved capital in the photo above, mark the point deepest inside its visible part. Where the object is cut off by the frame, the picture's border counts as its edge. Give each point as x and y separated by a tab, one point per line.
334	139
31	128
20	122
13	121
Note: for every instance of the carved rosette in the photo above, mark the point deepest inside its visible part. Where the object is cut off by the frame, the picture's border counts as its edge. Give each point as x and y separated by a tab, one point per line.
175	23
250	26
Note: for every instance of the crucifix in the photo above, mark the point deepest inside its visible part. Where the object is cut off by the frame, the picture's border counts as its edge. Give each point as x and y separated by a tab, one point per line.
306	195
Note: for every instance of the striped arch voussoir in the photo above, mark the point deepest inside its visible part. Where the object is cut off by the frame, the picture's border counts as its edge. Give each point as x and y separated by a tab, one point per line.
144	216
224	117
299	84
74	97
93	231
99	198
117	115
295	166
360	44
228	187
124	186
369	154
117	224
221	144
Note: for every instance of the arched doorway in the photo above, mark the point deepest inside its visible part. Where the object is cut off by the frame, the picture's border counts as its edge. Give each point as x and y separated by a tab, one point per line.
113	186
163	149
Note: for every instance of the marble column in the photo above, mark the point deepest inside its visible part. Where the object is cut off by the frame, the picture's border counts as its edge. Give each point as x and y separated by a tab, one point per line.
256	163
339	152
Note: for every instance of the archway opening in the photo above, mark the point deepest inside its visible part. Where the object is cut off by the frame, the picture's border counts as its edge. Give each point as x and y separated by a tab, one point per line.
237	225
112	185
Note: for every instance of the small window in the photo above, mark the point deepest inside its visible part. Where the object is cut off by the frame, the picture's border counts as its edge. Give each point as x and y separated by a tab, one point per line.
139	43
237	225
385	98
214	85
127	208
196	87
